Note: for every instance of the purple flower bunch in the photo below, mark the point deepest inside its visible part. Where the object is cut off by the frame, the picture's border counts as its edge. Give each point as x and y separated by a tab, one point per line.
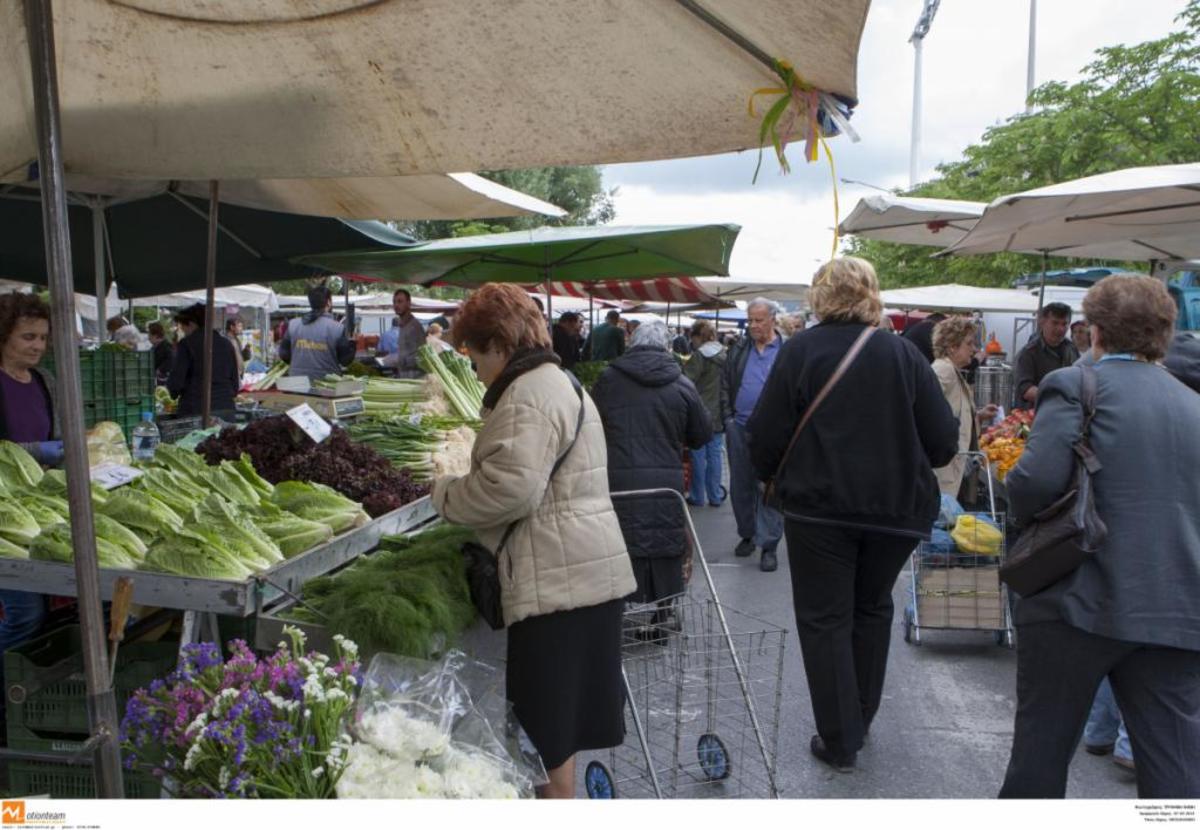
245	727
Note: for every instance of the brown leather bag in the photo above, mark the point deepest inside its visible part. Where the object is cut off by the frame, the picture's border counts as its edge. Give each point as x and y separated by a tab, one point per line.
769	493
1068	532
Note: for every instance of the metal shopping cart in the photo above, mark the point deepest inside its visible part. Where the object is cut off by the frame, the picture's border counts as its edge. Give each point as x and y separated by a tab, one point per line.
956	575
703	687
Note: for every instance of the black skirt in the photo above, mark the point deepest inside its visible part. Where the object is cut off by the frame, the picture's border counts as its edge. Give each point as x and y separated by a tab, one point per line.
564	680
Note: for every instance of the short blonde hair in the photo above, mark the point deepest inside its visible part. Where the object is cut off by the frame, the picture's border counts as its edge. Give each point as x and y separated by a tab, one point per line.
1135	315
951	333
846	289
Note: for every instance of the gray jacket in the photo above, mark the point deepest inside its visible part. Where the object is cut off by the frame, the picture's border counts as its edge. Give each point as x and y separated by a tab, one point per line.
315	346
1142	586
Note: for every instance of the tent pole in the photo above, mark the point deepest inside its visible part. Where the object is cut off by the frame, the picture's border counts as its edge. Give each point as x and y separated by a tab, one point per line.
101	706
98	260
549	301
1042	292
209	304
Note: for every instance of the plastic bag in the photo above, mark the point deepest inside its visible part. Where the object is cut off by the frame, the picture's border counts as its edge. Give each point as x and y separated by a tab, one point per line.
106	445
977	533
949	512
439	729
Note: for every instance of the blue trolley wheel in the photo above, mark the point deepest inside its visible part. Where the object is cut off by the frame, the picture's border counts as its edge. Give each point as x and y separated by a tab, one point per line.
598	781
714	759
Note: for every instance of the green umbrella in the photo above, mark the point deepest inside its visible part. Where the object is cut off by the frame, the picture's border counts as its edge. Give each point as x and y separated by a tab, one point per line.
581	253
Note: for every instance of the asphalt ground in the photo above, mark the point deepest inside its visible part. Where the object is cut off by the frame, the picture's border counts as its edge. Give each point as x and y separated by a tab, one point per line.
944	729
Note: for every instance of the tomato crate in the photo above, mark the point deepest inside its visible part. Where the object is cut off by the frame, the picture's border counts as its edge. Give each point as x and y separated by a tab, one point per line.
30	778
45	688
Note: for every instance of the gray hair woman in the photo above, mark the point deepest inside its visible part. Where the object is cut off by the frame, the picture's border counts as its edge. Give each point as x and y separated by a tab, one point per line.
953	348
1129	612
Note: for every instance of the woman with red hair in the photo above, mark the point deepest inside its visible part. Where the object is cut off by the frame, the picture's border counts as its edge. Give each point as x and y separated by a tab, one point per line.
537	495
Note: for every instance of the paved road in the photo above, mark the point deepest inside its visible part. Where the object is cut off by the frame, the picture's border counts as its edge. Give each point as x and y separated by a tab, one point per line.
945	727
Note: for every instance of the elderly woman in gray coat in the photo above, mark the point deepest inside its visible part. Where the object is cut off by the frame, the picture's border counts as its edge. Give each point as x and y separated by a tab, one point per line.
1131	612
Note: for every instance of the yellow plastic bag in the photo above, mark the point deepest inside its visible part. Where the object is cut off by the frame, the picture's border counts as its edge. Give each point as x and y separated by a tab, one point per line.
975	534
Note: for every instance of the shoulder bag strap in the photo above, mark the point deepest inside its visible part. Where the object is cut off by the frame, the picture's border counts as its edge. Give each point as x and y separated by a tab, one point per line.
1087	399
508	531
847	359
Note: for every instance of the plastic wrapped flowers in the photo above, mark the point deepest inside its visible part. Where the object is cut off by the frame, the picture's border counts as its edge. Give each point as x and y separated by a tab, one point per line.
436	730
245	727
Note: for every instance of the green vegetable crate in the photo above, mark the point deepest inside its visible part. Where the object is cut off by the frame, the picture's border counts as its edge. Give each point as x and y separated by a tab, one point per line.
44	686
117	385
29	778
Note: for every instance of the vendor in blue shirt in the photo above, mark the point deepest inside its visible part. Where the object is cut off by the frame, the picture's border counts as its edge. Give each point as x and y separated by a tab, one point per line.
746	371
398	345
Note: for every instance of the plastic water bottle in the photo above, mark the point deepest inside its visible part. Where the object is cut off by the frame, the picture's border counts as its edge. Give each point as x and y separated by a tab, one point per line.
145	438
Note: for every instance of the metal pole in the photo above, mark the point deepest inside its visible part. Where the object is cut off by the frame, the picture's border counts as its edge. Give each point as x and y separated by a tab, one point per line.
209	304
914	157
98	264
101	706
1029	70
1042	291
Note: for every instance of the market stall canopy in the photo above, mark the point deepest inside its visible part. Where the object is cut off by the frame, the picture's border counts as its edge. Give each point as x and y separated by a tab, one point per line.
578	254
1137	214
159	244
278	88
673	290
953	297
912	221
244	296
743	288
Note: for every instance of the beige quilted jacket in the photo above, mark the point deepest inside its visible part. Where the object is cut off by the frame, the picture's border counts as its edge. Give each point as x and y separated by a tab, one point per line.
961	399
567	552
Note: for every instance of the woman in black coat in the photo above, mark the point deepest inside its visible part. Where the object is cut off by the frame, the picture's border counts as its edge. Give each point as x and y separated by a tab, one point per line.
186	381
650	413
857	491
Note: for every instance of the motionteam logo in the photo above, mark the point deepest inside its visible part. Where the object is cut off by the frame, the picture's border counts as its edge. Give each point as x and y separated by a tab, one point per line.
13	813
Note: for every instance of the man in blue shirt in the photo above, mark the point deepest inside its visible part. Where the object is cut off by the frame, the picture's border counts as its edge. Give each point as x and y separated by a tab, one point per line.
746	371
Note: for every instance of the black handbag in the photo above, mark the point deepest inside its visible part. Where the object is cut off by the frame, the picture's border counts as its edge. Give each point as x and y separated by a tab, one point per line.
482	565
1064	535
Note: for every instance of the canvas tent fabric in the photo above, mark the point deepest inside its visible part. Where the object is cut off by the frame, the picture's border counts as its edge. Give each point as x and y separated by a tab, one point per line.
674	290
577	253
745	288
369	88
953	297
1136	214
912	221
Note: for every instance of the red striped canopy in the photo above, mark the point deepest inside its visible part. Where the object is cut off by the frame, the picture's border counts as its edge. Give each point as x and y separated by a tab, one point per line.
682	290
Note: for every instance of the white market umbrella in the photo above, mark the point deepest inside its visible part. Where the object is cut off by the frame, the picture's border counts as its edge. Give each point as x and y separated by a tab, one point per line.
912	221
175	89
1139	214
746	288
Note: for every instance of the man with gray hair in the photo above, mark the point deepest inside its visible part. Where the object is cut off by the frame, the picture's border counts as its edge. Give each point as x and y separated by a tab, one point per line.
746	371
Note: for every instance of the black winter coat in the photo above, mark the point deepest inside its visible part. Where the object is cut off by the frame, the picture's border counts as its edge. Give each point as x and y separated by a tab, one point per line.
866	457
186	381
650	413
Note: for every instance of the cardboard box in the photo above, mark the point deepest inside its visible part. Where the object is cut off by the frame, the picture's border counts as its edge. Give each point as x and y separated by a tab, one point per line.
966	610
984	579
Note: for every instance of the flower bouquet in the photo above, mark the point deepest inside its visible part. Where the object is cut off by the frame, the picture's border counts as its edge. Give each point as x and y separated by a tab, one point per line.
245	727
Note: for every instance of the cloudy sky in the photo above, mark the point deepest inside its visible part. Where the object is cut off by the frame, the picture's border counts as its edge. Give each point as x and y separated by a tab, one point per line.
974	76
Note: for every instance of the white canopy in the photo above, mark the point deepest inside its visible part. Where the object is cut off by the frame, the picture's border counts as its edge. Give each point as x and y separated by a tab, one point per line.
912	221
745	288
953	297
1141	213
316	88
245	296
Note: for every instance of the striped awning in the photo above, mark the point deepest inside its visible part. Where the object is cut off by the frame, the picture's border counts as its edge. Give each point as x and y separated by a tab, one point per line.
682	290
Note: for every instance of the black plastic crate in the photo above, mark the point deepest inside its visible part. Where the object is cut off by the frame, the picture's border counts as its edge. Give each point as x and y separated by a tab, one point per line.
30	778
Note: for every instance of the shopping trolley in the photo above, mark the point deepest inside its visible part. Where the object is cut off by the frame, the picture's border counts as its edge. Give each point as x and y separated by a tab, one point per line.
956	579
703	686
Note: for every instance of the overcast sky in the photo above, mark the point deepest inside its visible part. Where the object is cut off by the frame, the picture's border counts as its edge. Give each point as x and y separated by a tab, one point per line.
974	77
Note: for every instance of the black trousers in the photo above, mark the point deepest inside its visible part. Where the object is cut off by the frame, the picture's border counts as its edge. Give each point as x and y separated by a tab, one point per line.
842	582
1059	668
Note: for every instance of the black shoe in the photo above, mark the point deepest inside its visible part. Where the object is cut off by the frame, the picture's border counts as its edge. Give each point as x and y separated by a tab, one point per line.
744	548
1099	749
769	562
822	753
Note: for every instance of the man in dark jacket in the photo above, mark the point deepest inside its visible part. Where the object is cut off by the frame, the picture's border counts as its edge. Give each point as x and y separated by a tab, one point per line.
705	368
746	371
316	345
650	413
567	341
186	381
1051	349
607	340
921	334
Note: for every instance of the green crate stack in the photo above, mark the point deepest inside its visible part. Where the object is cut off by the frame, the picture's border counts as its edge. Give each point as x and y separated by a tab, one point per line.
47	711
117	386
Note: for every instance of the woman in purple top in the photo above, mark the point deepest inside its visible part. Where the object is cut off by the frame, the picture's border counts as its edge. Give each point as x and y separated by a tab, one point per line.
27	418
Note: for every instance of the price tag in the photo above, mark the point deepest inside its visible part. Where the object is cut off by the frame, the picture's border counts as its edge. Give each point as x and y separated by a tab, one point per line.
111	476
314	426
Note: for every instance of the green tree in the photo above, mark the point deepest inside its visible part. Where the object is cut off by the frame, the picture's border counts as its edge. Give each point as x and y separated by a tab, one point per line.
1135	105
